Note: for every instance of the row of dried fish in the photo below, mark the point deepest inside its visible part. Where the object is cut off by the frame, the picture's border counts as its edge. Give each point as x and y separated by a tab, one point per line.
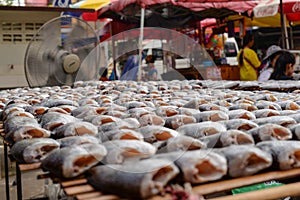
205	90
20	124
149	177
213	132
152	172
183	131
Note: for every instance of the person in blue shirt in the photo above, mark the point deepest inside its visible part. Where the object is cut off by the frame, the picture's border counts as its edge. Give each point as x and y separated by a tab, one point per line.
131	67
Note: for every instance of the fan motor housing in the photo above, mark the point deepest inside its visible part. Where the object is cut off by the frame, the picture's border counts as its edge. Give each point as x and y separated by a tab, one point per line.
71	63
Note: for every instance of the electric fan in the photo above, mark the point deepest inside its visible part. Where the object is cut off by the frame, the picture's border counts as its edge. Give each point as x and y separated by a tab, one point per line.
63	50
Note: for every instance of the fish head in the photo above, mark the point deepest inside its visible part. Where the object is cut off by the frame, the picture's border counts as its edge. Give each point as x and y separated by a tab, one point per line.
201	166
30	131
162	171
128	134
35	153
250	163
81	158
164	134
215	117
210	131
245	127
281	133
184	143
236	137
289	159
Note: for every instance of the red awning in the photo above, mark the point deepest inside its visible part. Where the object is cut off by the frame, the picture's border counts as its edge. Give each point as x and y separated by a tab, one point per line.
267	8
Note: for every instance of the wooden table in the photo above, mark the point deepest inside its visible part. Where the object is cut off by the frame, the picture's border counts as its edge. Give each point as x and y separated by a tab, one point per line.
229	72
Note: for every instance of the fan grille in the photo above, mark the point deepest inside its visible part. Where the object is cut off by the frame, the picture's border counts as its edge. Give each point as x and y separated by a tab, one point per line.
51	45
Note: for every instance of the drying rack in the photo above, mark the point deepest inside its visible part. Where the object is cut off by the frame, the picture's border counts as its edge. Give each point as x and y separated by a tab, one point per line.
82	190
6	170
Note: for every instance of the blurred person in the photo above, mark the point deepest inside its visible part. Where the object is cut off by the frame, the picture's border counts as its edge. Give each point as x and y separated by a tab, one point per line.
269	61
152	73
169	61
103	74
284	67
131	66
248	61
146	69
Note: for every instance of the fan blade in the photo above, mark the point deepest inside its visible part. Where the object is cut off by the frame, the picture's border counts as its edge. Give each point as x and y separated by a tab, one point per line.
58	49
39	67
89	66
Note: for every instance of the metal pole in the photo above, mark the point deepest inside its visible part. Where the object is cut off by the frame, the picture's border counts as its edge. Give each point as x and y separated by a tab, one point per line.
19	182
282	22
6	172
141	43
286	37
113	50
291	36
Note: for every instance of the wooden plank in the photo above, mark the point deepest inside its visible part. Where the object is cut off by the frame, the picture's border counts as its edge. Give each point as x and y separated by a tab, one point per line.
27	167
44	176
161	197
88	195
106	197
291	190
78	189
73	182
226	185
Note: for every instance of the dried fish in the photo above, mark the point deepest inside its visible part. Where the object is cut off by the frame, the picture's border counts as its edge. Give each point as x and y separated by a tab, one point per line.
135	180
261	113
153	133
33	150
244	160
270	131
280	120
227	138
77	140
74	129
198	130
176	121
241	114
52	120
239	124
119	151
211	115
70	162
197	166
285	152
